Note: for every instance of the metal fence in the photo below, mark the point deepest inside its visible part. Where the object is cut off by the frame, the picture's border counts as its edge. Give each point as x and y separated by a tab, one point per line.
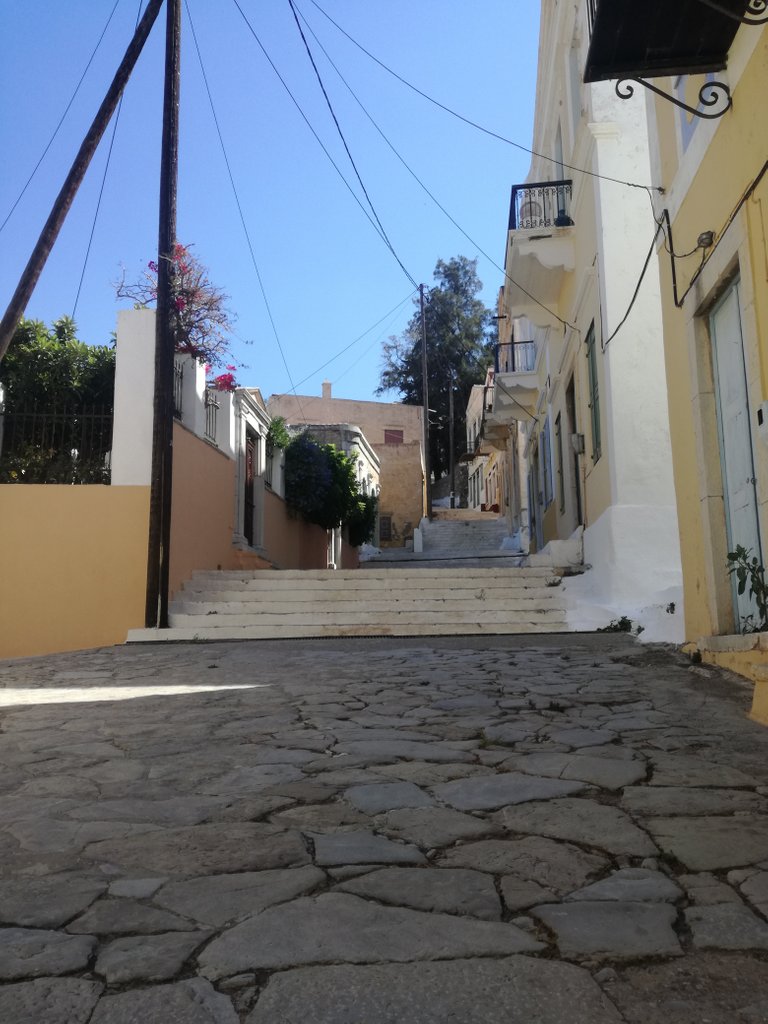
515	357
56	446
211	413
178	389
543	204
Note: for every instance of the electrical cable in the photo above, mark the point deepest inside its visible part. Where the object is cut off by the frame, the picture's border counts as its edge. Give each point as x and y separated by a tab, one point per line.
667	247
103	184
434	199
350	345
709	252
240	208
362	356
604	344
61	120
474	124
384	234
308	123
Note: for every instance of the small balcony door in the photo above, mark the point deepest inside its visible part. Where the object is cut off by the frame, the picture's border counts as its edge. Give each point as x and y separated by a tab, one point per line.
733	423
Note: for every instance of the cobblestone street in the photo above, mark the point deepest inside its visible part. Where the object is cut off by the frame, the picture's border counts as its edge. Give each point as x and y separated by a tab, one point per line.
559	829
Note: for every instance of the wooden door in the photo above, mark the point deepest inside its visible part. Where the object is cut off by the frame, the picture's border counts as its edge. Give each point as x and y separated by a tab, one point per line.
250	482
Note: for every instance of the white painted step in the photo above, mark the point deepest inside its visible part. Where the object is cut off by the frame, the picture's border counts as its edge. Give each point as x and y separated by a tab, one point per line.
364	616
381	602
343	604
214	633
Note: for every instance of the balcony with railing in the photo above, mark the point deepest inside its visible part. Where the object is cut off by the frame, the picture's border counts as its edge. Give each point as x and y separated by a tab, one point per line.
516	387
515	357
543	204
540	248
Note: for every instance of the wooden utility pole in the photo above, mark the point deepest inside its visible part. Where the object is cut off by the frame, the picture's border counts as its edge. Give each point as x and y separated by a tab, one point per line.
425	402
64	200
451	452
158	553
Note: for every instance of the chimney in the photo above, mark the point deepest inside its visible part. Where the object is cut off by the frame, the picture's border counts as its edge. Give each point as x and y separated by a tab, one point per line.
326	389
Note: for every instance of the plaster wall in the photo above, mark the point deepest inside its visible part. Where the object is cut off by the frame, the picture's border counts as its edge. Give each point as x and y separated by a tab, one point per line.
627	489
372	417
706	169
294	544
402	483
134	383
634	557
202	510
74	566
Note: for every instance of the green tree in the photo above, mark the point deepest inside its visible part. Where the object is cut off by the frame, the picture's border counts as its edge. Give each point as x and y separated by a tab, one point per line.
51	368
321	485
58	399
461	333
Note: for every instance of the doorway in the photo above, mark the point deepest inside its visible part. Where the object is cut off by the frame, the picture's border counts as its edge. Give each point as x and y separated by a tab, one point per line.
572	431
735	436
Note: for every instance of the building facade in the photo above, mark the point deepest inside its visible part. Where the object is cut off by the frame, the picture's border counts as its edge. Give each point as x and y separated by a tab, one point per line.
395	433
709	149
580	363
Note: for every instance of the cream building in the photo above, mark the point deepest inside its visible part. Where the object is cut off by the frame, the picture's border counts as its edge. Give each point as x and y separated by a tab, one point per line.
394	431
585	382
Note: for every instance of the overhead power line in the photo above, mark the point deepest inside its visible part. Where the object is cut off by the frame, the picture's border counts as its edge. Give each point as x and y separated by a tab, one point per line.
61	119
353	343
239	206
474	124
309	124
101	188
434	199
384	234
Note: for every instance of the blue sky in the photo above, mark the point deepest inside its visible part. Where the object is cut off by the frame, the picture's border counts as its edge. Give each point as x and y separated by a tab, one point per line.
327	275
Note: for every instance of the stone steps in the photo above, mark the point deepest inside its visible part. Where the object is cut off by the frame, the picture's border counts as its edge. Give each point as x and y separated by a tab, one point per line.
441	581
379	602
456	536
298	631
223	603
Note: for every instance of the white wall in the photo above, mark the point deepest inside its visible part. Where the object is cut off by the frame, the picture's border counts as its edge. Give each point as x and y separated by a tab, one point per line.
134	397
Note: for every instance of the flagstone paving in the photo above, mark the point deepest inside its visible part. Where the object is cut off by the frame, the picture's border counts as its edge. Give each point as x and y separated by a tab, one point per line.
567	829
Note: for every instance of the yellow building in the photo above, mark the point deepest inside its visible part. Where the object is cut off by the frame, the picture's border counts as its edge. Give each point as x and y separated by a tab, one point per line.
709	141
583	382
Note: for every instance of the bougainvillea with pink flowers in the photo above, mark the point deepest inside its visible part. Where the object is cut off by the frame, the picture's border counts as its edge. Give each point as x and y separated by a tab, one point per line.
201	320
222	381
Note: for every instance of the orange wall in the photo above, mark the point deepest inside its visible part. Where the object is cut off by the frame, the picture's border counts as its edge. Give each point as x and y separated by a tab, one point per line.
291	543
350	559
203	511
73	561
203	508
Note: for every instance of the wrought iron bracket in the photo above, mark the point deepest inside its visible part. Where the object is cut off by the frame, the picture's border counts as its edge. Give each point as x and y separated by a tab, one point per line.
755	14
715	95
